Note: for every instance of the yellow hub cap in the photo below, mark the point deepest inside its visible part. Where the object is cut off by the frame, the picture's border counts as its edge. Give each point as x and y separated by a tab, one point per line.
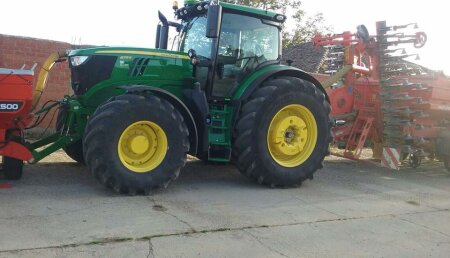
142	146
292	135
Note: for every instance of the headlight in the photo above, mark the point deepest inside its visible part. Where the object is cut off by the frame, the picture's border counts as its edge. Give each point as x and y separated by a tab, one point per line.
78	60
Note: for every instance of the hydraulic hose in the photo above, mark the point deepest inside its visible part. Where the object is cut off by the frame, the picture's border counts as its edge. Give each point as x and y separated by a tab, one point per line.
43	75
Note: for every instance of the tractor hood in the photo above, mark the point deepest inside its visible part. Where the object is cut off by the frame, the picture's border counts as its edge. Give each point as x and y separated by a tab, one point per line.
97	68
128	51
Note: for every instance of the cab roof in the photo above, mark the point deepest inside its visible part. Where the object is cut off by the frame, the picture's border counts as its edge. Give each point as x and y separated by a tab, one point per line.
193	8
250	10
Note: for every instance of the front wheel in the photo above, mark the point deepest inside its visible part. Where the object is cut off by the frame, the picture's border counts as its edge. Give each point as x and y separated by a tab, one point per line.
136	143
283	133
447	163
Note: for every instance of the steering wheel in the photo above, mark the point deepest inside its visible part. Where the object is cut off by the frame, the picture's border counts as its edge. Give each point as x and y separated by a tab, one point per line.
257	54
255	57
246	57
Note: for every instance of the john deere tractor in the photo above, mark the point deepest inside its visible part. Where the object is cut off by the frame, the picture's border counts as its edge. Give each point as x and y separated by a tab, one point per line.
221	96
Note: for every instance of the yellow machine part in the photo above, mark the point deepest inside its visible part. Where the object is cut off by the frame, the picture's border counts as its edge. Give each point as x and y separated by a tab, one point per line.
43	75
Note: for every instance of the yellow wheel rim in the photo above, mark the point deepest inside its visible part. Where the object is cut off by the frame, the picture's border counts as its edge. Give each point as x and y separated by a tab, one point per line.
142	146
292	135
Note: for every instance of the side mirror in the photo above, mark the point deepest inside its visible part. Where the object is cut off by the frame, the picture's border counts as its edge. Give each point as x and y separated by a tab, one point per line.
213	22
192	53
195	61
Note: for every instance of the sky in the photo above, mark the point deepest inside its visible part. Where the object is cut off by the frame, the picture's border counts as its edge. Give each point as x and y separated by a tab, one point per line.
133	22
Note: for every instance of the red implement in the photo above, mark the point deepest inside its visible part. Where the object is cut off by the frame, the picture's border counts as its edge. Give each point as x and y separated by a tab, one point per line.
385	100
16	88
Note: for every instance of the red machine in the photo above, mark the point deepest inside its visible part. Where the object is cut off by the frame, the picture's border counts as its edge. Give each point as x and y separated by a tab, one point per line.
16	88
376	94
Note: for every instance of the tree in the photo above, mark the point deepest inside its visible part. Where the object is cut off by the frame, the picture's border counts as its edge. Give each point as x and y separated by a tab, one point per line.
305	28
300	27
276	5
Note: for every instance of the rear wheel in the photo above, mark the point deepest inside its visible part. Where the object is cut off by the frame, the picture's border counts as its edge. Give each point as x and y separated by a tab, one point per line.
75	150
12	168
283	133
135	143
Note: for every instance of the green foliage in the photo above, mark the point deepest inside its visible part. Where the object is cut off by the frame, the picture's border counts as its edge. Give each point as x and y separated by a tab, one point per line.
300	27
275	5
305	29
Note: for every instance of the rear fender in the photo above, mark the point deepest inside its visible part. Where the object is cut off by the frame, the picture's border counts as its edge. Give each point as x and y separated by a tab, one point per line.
258	77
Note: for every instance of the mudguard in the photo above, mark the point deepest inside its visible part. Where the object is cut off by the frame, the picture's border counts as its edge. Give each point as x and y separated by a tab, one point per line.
253	81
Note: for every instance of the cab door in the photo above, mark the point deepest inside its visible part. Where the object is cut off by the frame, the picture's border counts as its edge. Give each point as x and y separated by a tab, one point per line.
245	44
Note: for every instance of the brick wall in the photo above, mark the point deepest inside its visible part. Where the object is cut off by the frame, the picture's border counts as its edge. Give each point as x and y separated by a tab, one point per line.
18	51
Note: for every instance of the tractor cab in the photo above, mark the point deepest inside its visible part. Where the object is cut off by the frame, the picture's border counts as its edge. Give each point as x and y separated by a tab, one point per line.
226	43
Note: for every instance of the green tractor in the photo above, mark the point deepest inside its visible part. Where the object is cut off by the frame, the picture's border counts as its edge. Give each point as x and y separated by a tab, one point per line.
221	96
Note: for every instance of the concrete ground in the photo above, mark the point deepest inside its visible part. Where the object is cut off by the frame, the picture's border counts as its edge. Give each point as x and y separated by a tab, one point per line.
349	210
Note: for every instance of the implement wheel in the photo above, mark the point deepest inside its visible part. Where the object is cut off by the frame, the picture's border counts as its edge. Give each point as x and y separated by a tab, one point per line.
12	168
443	148
136	143
283	133
75	150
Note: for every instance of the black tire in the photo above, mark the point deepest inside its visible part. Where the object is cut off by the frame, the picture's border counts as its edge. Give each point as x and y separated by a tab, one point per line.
443	148
105	127
12	168
75	150
250	148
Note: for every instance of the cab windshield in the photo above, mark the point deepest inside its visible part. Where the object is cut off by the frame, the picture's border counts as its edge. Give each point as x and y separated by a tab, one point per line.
193	37
241	37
